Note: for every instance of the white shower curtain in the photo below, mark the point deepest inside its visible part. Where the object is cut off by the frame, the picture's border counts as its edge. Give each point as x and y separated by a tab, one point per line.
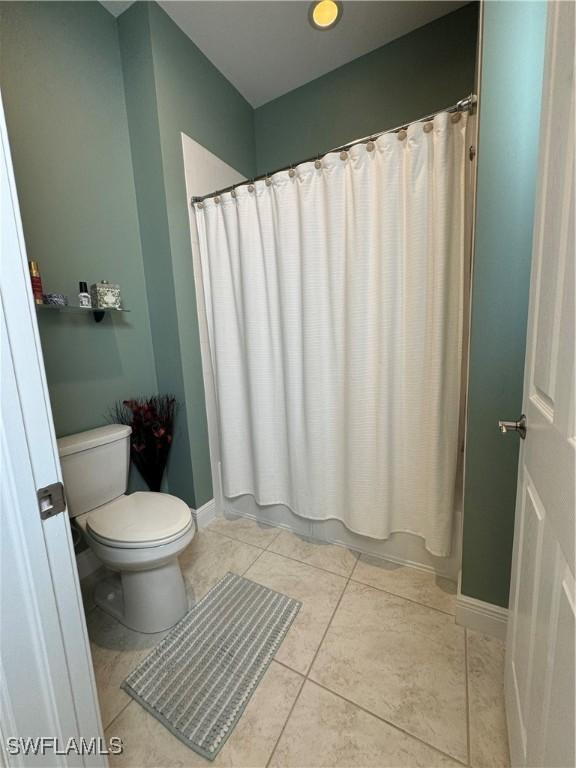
334	309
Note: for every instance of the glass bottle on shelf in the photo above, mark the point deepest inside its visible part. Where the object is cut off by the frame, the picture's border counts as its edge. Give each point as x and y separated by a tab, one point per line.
36	281
84	298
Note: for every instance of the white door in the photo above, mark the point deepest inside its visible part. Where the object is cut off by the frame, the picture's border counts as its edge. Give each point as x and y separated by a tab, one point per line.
539	675
47	684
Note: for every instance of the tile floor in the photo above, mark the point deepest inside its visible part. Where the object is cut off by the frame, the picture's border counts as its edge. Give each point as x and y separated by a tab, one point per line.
373	672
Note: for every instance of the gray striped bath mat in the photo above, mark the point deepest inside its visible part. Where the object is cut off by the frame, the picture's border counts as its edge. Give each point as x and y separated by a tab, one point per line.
198	680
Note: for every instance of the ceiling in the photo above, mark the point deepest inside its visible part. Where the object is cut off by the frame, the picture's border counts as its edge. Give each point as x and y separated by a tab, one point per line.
267	48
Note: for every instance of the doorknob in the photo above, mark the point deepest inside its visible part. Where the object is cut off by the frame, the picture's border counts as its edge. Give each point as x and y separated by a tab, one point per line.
519	426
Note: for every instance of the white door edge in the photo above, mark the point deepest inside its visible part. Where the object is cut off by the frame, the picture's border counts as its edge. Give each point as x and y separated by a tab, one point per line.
53	687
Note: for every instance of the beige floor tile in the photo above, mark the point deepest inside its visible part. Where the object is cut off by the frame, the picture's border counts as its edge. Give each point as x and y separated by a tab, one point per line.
319	593
420	586
324	731
488	732
245	529
400	660
211	556
330	557
148	744
116	650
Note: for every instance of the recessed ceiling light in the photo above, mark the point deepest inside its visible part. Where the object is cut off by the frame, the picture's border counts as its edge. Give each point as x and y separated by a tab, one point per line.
324	14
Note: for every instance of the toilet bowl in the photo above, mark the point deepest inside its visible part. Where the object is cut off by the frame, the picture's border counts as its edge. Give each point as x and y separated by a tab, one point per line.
137	536
140	536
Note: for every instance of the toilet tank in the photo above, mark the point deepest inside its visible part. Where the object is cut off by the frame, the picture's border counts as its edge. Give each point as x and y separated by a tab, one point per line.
95	466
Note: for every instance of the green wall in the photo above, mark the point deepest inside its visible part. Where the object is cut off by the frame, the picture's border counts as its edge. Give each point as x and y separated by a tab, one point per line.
419	73
63	94
211	111
95	107
142	107
171	88
513	49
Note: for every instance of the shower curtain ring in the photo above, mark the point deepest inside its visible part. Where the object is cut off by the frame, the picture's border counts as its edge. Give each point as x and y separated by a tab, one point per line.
292	172
318	162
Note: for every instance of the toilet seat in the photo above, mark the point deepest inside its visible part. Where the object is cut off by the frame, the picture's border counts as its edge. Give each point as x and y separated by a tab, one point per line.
138	520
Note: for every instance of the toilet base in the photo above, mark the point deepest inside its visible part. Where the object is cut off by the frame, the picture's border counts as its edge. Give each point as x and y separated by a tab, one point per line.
146	601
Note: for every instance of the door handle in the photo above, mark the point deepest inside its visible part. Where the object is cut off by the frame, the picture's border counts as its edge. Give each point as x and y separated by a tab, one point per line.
519	426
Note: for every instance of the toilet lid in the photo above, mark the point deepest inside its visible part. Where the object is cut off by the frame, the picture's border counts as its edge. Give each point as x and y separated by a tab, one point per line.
140	518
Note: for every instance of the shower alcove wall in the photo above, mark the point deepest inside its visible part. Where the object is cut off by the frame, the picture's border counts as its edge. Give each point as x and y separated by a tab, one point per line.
205	172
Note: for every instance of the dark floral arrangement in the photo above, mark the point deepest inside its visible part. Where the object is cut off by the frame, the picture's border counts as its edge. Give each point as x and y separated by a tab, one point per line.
152	422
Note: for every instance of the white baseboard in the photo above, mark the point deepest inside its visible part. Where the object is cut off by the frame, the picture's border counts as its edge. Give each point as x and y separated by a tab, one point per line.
87	564
483	617
205	514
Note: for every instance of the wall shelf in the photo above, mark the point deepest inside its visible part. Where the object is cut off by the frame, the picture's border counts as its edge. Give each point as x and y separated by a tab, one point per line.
97	313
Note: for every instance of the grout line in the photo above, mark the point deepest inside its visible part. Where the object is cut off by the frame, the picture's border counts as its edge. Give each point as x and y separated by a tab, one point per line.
297	697
467	695
360	553
352	703
321	643
310	565
306	676
278	554
245	571
287	666
358	559
402	597
383	720
279	531
248	543
232	538
350	577
117	715
318	542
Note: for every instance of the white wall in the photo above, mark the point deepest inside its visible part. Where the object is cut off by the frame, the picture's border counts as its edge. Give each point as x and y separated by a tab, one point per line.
204	171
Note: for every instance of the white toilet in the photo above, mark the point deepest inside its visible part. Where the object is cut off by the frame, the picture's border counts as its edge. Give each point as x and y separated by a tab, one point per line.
139	535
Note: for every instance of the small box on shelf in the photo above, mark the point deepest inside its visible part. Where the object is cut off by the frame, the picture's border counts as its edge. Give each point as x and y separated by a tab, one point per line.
105	295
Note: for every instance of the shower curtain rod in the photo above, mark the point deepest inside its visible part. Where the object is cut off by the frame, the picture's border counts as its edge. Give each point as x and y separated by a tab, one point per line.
464	105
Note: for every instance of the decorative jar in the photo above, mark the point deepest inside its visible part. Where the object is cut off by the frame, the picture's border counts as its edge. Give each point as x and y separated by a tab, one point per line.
106	295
